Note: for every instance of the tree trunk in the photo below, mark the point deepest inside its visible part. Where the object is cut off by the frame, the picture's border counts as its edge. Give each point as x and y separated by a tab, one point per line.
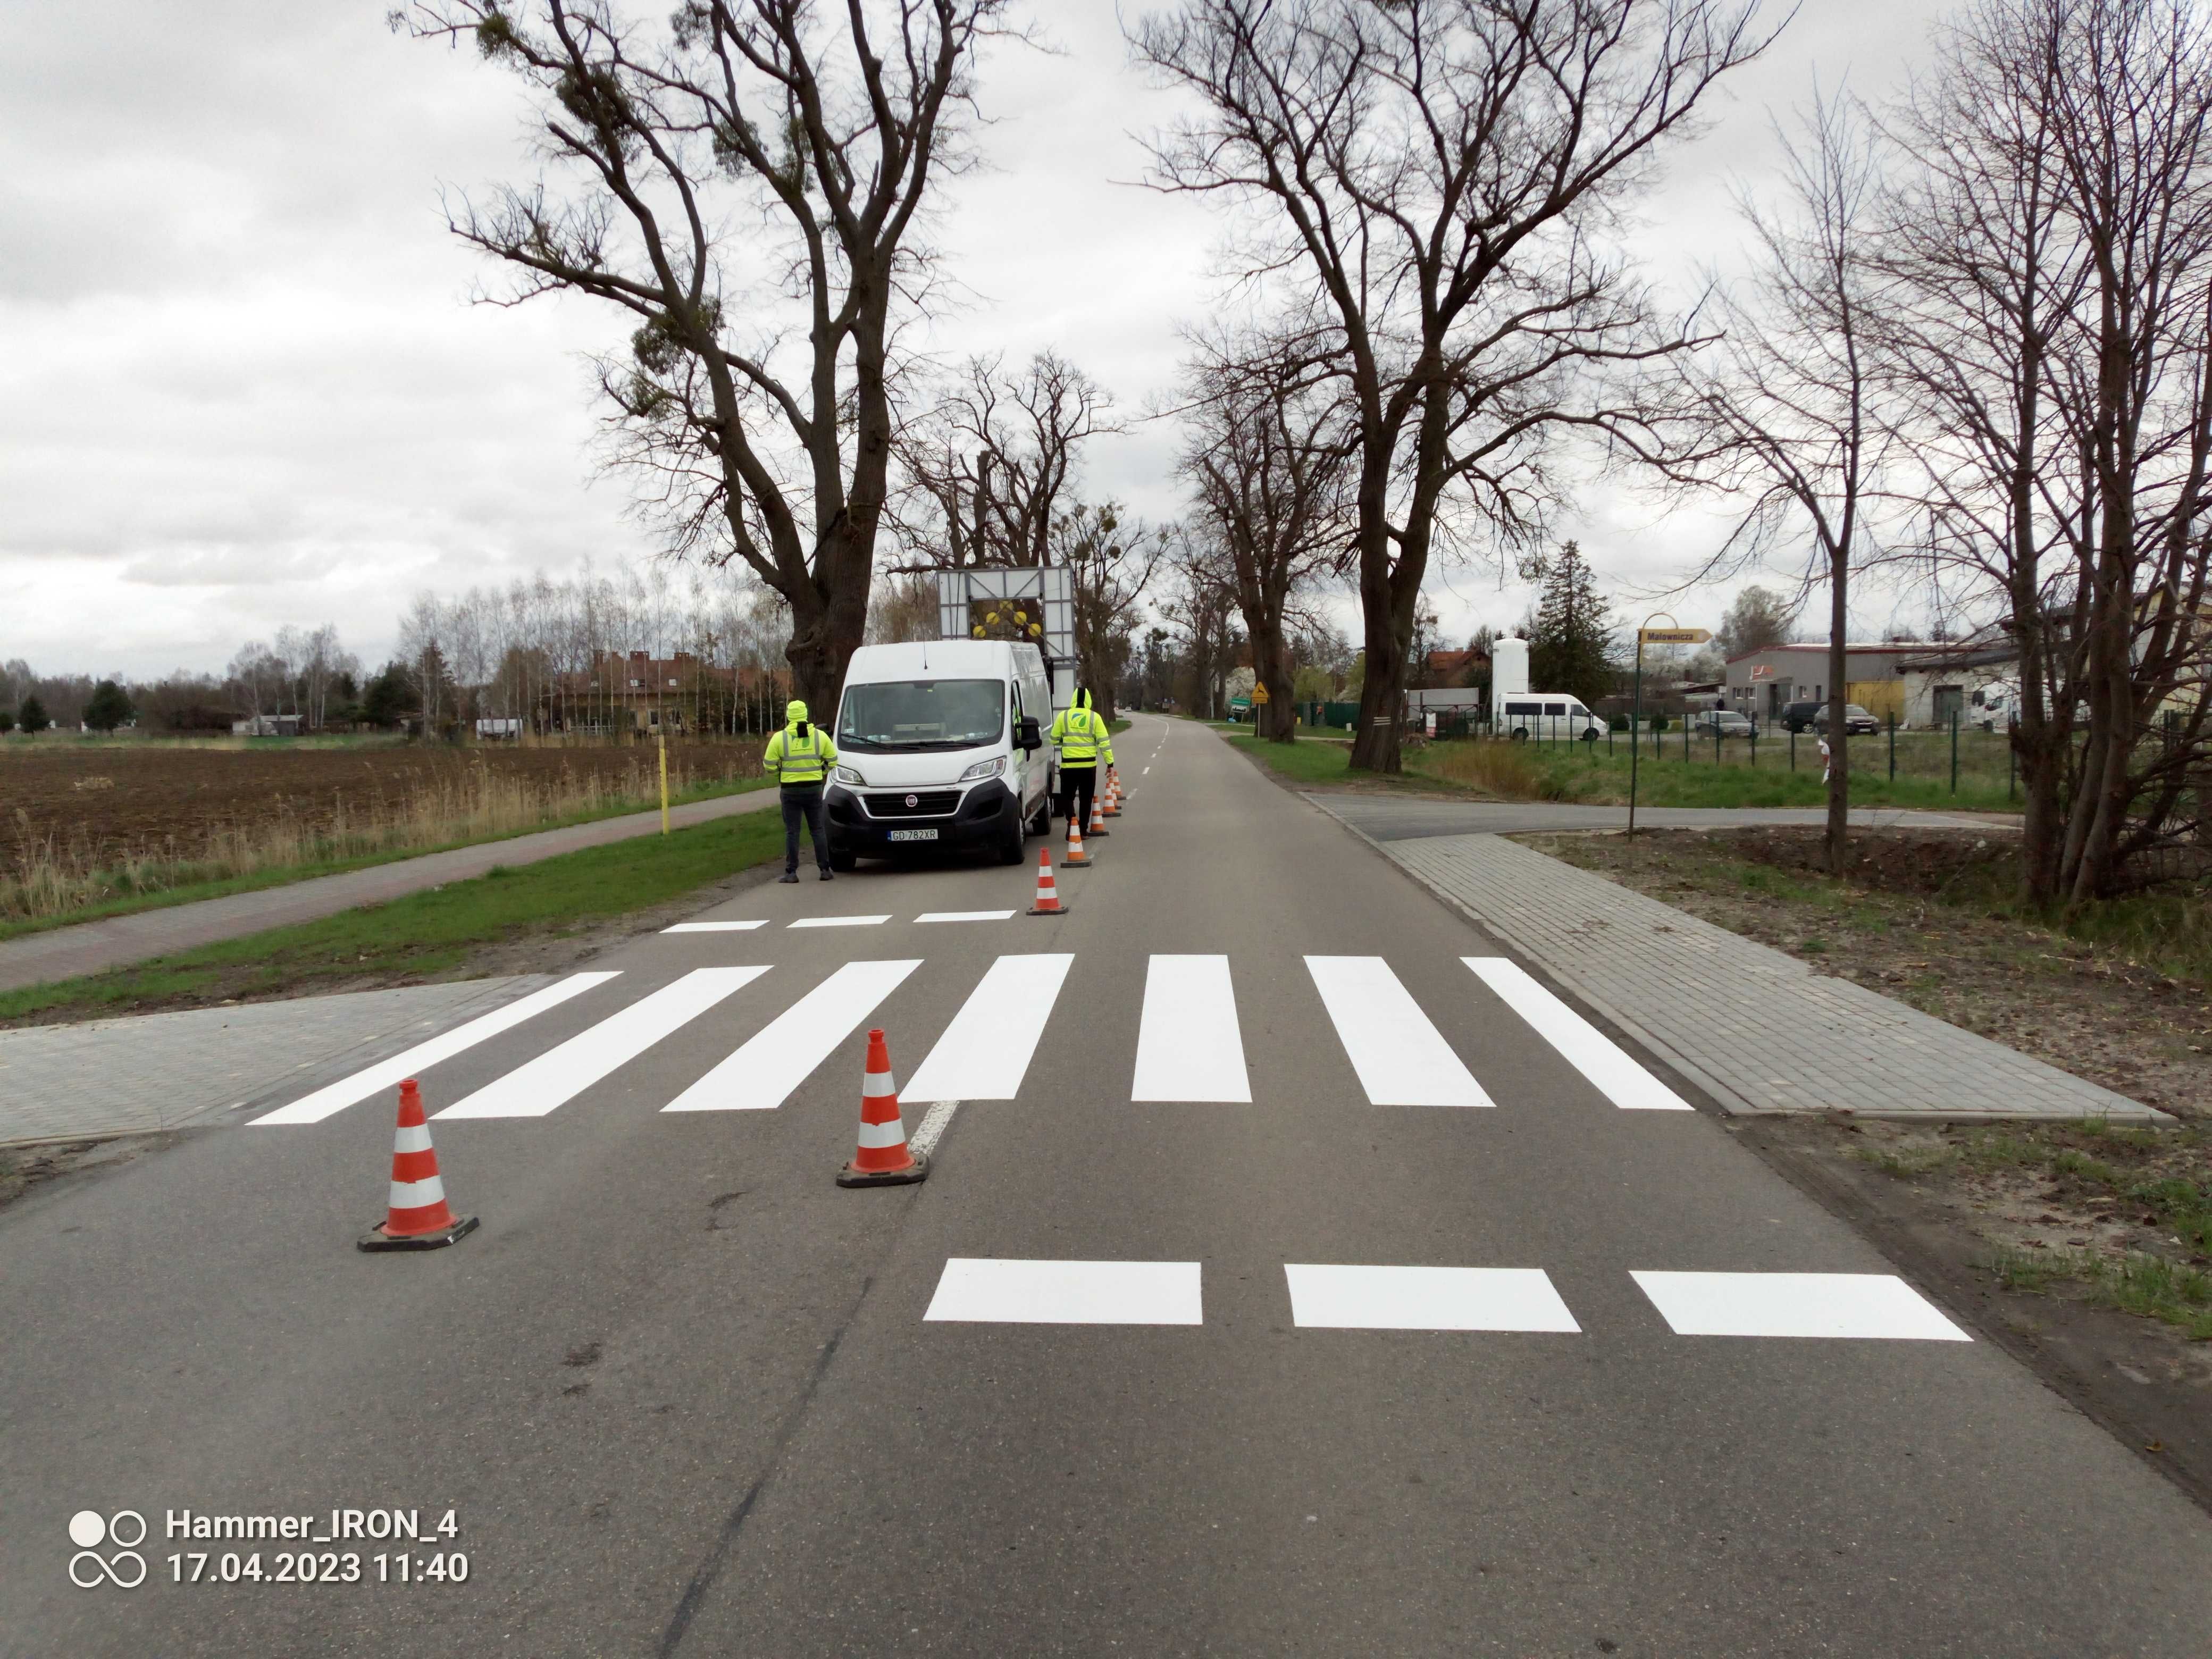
1278	720
1839	753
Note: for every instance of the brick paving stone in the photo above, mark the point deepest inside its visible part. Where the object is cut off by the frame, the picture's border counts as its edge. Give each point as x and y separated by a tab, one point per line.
150	1071
1667	980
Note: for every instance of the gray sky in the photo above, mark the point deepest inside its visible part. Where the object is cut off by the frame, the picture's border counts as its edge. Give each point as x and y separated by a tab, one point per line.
242	384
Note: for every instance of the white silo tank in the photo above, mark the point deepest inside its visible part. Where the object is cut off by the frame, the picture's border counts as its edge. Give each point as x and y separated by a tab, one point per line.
1509	672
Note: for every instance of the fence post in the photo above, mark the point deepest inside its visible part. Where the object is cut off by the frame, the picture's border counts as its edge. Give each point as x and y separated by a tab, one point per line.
1955	751
2012	759
1892	745
1754	745
1793	749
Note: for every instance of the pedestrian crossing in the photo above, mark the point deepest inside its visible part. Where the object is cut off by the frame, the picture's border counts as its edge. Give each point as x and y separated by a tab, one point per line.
1864	1307
1189	1044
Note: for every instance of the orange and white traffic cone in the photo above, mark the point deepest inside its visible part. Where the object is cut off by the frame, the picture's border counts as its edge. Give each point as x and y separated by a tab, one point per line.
881	1158
1112	794
1098	821
1074	858
417	1217
1048	899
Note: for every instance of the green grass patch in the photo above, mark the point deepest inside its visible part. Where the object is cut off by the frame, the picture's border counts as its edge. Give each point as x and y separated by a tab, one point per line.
124	904
426	933
2138	1283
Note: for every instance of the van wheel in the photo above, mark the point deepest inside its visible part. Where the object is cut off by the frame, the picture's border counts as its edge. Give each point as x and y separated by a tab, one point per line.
1041	824
1010	849
843	862
1520	734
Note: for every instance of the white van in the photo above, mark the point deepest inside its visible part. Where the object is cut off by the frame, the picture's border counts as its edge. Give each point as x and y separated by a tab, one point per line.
940	745
1548	716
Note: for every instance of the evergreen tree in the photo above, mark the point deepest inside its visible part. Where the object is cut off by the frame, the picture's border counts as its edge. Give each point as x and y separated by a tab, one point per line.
388	698
32	717
7	720
1570	635
109	708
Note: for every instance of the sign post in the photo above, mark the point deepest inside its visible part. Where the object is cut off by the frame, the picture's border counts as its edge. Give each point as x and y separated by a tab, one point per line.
1648	634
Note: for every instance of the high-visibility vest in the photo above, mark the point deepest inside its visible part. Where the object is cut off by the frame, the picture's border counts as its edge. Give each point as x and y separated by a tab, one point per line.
1078	732
798	760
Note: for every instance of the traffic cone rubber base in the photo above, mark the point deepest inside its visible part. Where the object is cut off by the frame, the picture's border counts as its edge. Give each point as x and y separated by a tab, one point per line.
917	1170
377	1239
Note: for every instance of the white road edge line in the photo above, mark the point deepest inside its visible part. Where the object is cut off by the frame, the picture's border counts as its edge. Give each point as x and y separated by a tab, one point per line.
1866	1306
964	915
931	1130
713	926
840	921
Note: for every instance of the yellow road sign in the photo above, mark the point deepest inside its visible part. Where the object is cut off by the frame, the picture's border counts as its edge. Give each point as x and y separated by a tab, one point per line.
1260	694
1673	636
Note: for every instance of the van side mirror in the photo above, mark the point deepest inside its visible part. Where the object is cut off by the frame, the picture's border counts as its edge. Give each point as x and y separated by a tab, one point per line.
1027	736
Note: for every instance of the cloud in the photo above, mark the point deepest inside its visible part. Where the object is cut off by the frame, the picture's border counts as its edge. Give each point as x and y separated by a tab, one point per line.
242	384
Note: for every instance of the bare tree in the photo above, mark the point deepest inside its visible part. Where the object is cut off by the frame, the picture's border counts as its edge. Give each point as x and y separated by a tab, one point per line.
1268	456
1777	412
1200	605
1112	565
989	466
767	444
1436	174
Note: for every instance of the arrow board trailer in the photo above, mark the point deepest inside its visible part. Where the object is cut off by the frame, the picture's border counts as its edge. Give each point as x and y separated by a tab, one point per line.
1034	604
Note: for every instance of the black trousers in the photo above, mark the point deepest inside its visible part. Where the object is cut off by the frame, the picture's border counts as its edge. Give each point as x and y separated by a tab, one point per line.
1079	784
805	804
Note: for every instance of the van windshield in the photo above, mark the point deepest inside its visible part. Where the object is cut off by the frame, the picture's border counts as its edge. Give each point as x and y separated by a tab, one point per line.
923	714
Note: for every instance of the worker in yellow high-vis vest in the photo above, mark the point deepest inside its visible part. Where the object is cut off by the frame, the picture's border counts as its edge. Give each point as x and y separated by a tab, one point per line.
1080	734
799	758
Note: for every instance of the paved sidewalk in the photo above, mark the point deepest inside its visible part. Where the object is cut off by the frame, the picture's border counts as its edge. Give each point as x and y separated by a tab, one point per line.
149	1072
1676	985
93	946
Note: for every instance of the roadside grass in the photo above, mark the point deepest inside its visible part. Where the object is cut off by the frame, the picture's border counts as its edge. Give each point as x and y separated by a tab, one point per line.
2142	1193
424	934
1322	760
1598	774
139	885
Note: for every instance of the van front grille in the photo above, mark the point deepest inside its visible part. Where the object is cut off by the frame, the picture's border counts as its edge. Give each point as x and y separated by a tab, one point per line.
926	804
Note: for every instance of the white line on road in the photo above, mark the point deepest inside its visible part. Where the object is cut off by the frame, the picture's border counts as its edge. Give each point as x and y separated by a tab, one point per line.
840	921
1401	1059
713	926
986	1051
1588	1049
1188	1047
1000	1292
389	1073
560	1074
934	1123
1873	1305
964	915
760	1076
1348	1298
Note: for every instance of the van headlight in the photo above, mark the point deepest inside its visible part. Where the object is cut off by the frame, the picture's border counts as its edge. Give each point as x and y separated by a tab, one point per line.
990	769
846	774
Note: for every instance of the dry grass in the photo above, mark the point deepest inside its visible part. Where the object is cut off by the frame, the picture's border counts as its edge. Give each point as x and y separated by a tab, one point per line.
49	877
1505	769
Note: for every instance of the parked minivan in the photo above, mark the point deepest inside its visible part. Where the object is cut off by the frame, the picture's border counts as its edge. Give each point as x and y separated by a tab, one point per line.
940	745
1550	716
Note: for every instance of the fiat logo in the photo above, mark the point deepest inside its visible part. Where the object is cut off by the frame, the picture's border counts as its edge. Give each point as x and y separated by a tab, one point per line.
913	800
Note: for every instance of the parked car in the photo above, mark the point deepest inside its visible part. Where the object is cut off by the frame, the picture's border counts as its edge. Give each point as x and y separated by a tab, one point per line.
1799	716
1856	721
1724	722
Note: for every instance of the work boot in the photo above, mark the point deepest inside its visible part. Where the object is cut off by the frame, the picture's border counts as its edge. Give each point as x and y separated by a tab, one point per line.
826	874
790	876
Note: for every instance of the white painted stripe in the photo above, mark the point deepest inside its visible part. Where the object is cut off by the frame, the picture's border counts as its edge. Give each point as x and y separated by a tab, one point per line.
1349	1299
415	1137
413	1194
985	1052
1401	1059
784	1053
1874	1305
840	921
389	1073
1147	771
714	927
560	1074
1188	1047
1588	1050
964	915
934	1123
991	1291
877	1135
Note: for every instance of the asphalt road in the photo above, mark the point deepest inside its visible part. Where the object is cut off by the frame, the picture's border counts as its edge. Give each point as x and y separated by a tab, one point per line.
681	1394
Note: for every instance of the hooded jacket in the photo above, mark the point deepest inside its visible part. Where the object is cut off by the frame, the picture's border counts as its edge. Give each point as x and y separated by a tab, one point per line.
1081	734
796	760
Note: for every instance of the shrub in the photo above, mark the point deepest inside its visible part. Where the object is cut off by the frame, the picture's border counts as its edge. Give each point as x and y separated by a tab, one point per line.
32	716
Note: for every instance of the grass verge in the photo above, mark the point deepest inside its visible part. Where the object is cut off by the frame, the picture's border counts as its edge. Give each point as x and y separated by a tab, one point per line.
426	935
129	904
